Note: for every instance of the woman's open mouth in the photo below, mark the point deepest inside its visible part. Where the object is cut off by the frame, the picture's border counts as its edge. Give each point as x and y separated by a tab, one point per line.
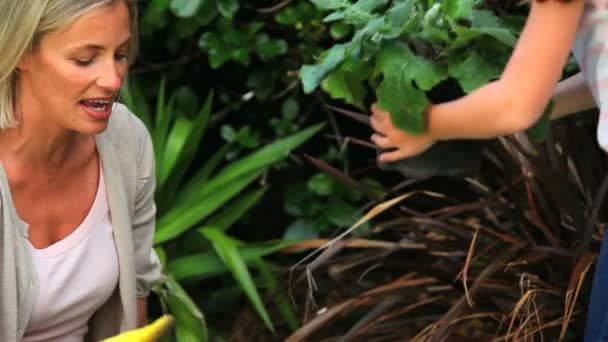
98	108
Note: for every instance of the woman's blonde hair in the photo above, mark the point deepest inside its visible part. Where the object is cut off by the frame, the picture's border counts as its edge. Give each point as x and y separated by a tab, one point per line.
23	23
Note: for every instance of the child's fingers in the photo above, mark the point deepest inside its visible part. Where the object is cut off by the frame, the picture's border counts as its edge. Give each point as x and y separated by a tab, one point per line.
382	142
394	155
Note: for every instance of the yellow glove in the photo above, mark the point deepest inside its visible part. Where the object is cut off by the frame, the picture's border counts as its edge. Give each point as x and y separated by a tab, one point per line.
149	333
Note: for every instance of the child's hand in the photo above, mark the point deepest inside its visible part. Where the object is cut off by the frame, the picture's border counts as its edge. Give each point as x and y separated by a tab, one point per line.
388	136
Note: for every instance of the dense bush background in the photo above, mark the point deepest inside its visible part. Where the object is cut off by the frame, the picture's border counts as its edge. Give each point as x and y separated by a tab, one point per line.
509	225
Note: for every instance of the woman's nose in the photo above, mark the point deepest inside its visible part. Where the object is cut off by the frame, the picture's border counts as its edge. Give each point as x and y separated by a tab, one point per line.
111	77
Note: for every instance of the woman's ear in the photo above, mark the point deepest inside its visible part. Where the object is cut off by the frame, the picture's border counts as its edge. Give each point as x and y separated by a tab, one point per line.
24	61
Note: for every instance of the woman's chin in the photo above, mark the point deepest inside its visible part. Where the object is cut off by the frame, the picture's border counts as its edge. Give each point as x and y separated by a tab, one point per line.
92	128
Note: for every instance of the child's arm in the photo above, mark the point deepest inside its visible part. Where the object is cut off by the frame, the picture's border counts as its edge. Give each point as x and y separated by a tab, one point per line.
508	105
572	95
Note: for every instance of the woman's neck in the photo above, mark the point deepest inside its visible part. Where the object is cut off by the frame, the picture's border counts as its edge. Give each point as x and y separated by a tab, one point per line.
38	143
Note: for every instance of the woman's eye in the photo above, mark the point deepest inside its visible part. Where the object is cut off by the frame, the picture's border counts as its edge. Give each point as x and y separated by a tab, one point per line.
83	62
122	56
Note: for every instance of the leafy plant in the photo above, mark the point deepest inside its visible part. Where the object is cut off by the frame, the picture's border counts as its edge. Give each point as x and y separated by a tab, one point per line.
197	206
410	54
449	40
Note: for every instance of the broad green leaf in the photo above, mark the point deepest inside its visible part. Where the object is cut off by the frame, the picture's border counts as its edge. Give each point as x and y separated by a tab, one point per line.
399	18
227	8
185	8
405	78
204	265
325	5
313	75
369	5
473	72
190	323
181	218
346	82
457	9
357	14
229	253
405	104
396	59
539	130
464	36
488	23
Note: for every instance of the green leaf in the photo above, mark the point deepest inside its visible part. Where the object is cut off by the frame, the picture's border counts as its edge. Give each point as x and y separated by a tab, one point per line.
301	229
486	22
397	94
346	82
189	320
202	174
325	5
399	18
185	8
290	108
204	265
321	184
213	45
457	9
228	252
227	8
175	175
176	142
473	72
341	213
396	58
313	75
252	162
269	48
164	115
539	130
181	218
357	14
339	30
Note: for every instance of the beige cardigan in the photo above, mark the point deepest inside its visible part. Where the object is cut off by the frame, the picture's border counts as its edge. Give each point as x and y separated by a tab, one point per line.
127	157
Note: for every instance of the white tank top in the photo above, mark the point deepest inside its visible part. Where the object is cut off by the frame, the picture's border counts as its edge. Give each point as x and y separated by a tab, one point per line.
77	275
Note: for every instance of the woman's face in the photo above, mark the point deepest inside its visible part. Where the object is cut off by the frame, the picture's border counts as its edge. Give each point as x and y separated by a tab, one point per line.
73	75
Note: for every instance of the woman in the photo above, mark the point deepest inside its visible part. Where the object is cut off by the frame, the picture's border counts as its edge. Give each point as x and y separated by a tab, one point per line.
76	174
516	100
